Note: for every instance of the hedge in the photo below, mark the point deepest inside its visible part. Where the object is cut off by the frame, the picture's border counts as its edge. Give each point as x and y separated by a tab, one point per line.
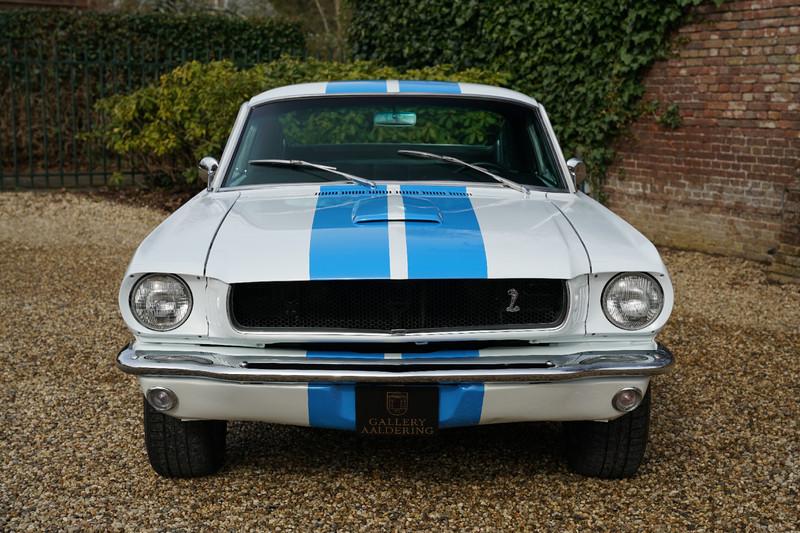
55	64
167	127
151	36
583	60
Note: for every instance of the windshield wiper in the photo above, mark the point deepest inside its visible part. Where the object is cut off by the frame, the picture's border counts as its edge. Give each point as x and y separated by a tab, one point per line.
454	160
306	164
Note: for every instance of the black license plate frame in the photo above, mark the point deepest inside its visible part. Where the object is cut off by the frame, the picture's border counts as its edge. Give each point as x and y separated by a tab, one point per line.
397	410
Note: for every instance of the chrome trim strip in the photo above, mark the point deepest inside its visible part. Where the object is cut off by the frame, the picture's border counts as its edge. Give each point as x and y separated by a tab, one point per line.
172	358
300	369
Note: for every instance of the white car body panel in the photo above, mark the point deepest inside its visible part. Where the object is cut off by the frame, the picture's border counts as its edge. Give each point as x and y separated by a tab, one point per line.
180	244
287	403
524	236
267	233
266	236
284	403
612	244
319	88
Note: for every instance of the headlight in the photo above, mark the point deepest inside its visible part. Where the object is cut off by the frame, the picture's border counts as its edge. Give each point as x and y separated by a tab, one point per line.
161	302
632	300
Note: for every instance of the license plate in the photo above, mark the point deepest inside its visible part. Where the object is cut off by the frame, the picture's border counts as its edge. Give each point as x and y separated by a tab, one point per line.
397	411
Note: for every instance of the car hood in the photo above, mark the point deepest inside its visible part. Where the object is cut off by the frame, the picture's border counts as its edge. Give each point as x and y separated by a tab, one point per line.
181	242
393	232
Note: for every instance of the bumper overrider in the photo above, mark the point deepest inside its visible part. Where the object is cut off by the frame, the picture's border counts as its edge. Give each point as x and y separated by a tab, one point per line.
321	392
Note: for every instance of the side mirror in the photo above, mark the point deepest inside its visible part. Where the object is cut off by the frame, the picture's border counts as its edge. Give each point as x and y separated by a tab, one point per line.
206	169
578	171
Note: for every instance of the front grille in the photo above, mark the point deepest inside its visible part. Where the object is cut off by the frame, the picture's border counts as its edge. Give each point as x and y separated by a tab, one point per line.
397	305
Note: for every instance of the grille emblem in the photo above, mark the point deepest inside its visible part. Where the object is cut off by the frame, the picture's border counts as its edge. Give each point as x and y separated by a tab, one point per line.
397	403
512	307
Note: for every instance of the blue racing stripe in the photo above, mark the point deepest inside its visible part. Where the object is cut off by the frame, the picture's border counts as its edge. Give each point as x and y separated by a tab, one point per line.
332	405
350	87
460	404
452	249
341	249
443	354
439	87
343	355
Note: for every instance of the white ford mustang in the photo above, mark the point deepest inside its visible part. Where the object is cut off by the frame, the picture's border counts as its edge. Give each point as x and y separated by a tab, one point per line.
394	258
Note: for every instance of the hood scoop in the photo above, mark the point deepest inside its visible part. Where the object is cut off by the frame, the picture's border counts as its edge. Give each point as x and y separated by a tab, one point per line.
409	209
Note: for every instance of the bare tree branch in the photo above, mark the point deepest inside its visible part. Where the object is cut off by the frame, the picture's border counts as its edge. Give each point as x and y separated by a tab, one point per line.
322	15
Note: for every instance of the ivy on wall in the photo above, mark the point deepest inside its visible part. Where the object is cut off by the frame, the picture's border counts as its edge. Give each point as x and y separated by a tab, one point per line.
582	60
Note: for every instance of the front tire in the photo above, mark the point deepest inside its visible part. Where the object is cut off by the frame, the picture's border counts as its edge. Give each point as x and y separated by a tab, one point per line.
609	450
183	449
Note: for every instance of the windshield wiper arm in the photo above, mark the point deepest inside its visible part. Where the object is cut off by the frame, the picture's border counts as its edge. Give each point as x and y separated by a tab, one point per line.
454	160
306	164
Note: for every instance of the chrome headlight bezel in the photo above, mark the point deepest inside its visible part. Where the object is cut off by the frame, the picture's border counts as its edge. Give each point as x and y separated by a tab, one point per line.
628	326
155	327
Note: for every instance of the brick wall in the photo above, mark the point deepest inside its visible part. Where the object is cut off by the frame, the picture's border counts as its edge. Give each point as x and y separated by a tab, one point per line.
727	180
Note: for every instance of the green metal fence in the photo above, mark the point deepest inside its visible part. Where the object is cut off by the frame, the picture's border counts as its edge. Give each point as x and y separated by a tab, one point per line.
48	98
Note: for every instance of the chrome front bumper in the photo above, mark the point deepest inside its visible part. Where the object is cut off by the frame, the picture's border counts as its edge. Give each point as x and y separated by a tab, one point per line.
538	369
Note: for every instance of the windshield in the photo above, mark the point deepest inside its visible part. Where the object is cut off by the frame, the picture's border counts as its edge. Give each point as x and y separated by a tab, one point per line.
362	136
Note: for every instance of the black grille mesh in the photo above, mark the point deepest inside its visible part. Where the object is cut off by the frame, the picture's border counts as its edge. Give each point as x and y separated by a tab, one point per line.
387	305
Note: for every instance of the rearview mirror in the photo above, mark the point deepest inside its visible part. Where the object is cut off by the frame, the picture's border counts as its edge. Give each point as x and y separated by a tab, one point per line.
206	169
395	119
577	170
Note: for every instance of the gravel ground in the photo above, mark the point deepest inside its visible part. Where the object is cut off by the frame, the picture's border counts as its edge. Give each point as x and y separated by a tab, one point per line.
723	452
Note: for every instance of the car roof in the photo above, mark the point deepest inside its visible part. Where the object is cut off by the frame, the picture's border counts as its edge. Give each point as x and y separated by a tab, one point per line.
373	87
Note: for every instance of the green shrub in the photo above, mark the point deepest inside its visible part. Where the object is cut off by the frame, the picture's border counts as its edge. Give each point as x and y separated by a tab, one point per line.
189	112
582	60
166	128
153	37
